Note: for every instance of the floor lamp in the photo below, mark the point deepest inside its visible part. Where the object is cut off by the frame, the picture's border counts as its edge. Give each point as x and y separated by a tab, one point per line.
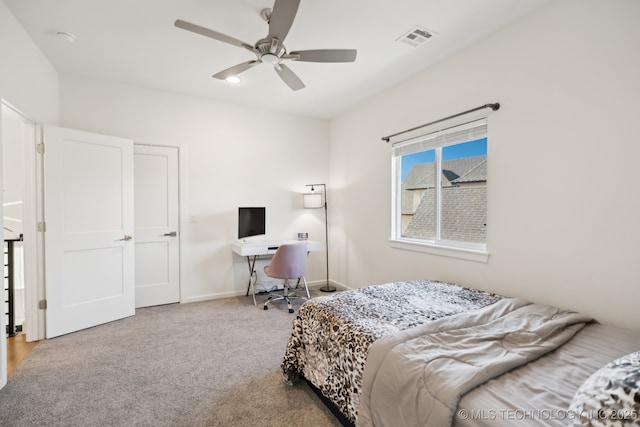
313	200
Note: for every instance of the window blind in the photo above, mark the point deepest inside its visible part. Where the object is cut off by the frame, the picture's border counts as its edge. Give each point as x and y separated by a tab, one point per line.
469	131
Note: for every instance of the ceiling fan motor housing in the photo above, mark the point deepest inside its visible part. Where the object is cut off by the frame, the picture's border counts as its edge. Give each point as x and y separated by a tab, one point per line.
266	46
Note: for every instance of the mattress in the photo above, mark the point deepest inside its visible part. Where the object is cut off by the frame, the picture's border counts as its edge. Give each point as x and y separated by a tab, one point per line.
539	393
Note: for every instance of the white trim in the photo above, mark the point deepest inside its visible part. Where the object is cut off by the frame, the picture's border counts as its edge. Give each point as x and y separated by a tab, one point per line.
312	285
468	254
396	201
438	192
436	141
40	332
3	309
209	297
32	275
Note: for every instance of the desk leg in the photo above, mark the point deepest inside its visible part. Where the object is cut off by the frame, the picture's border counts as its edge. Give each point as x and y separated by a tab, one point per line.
251	262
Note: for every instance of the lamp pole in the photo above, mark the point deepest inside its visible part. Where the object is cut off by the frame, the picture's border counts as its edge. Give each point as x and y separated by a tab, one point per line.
327	287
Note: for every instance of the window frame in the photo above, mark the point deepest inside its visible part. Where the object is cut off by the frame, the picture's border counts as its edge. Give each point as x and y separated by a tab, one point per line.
471	251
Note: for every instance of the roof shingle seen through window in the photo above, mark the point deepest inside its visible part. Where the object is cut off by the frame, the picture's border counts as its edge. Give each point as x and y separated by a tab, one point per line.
464	200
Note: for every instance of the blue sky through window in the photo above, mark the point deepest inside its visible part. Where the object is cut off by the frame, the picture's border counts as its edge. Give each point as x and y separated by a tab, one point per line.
458	151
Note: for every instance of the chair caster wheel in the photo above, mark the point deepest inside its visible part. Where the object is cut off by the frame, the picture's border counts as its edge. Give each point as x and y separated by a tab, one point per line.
265	308
291	310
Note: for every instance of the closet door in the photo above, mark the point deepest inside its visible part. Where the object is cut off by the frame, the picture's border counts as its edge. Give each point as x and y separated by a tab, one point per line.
89	247
157	225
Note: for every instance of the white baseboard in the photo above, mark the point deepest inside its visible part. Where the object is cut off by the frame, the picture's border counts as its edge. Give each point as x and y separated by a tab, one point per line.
315	285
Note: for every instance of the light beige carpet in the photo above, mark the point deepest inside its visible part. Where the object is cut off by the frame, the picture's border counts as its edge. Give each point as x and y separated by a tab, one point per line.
214	363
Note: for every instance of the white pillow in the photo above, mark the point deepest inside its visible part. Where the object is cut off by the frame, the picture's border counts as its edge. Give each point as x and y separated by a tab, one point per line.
611	396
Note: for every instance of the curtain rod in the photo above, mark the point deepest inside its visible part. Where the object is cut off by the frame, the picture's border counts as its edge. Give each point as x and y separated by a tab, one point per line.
495	106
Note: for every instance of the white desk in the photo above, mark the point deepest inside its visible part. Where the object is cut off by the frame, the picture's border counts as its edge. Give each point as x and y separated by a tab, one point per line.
269	247
254	249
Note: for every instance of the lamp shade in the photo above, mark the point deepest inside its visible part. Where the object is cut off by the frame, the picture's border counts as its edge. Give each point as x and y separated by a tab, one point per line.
312	200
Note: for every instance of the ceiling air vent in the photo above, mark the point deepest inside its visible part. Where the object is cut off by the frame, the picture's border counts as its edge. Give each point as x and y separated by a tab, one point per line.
416	36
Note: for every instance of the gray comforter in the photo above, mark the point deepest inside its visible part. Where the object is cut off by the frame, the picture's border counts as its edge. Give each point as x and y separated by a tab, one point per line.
331	335
417	376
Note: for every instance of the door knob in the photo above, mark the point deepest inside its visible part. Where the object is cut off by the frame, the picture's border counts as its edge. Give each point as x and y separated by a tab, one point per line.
171	234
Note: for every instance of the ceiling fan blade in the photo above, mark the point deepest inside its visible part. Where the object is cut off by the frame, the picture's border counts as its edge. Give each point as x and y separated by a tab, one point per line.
325	55
209	33
289	77
282	16
235	70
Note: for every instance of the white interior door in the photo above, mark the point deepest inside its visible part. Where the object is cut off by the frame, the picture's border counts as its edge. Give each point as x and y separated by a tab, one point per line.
88	209
157	246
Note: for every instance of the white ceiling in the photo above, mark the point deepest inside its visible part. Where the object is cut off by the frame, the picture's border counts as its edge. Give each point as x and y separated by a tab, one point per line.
135	42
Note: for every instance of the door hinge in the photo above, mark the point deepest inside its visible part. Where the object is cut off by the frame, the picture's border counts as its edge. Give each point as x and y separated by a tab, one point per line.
40	148
42	304
42	226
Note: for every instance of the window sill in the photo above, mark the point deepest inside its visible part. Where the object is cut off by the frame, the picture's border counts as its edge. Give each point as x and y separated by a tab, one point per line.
477	255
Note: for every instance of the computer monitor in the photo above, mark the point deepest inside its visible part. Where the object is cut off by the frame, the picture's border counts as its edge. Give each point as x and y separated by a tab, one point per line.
251	222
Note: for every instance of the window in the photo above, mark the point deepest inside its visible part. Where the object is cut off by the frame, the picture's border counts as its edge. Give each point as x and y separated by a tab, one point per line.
440	189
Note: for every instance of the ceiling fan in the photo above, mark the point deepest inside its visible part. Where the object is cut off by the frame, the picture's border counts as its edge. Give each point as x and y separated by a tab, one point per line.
271	49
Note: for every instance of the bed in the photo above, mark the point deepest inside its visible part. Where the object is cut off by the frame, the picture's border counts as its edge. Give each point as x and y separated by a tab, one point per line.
432	353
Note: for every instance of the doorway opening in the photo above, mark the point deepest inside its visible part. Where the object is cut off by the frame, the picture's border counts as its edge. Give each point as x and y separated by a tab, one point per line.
20	318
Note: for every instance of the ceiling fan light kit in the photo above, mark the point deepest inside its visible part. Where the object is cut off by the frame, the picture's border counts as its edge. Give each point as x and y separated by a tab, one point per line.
266	15
233	80
271	49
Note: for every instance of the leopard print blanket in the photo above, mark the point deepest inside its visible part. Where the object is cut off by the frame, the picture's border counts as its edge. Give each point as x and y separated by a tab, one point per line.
331	335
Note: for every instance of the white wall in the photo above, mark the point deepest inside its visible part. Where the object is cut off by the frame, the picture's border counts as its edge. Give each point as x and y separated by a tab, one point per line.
563	201
230	156
27	80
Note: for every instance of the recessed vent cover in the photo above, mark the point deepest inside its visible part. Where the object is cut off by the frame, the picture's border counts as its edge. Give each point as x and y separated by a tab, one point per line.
416	36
